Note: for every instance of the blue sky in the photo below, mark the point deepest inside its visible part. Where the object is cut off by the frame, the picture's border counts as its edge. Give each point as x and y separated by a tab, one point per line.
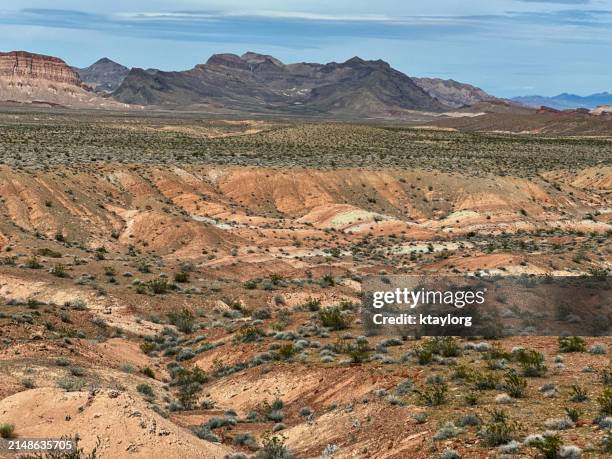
507	47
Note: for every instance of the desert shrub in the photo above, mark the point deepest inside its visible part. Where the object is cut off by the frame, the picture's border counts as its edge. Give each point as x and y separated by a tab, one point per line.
273	447
70	384
77	304
77	371
261	314
185	354
216	422
205	433
28	383
573	413
33	263
606	442
512	447
245	439
598	349
145	389
59	270
248	334
46	252
515	385
531	362
404	388
420	417
62	362
181	277
606	376
469	419
446	346
424	355
498	430
571	344
570	452
559	424
605	402
548	446
471	398
334	318
7	430
158	286
312	305
147	371
503	399
329	451
286	351
276	415
433	395
485	380
450	454
358	352
188	394
448	430
305	411
578	394
183	320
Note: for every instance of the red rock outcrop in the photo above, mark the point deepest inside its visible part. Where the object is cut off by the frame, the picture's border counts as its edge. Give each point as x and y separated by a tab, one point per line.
21	64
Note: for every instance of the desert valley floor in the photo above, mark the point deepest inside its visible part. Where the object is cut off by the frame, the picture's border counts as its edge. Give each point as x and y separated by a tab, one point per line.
181	287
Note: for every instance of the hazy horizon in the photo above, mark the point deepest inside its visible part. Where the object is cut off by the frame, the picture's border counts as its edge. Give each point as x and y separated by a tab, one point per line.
507	47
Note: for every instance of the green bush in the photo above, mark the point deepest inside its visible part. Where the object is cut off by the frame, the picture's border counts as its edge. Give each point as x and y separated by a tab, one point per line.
248	334
158	286
70	384
549	446
147	371
145	389
499	430
433	394
572	344
515	385
605	402
334	318
7	430
273	447
424	355
578	394
182	320
531	362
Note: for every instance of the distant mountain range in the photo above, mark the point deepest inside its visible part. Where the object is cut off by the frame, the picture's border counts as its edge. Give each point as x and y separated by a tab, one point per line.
566	101
261	83
257	84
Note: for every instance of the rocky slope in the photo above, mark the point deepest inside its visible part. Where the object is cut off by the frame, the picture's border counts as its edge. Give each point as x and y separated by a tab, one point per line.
262	83
453	93
36	78
103	75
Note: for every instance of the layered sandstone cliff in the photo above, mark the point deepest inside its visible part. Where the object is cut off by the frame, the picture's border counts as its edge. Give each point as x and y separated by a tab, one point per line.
28	78
21	64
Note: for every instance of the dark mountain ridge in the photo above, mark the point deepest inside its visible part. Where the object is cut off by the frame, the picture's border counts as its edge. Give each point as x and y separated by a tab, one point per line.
261	83
103	75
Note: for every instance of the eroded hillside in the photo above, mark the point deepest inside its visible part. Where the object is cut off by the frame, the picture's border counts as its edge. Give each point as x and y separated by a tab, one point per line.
204	305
